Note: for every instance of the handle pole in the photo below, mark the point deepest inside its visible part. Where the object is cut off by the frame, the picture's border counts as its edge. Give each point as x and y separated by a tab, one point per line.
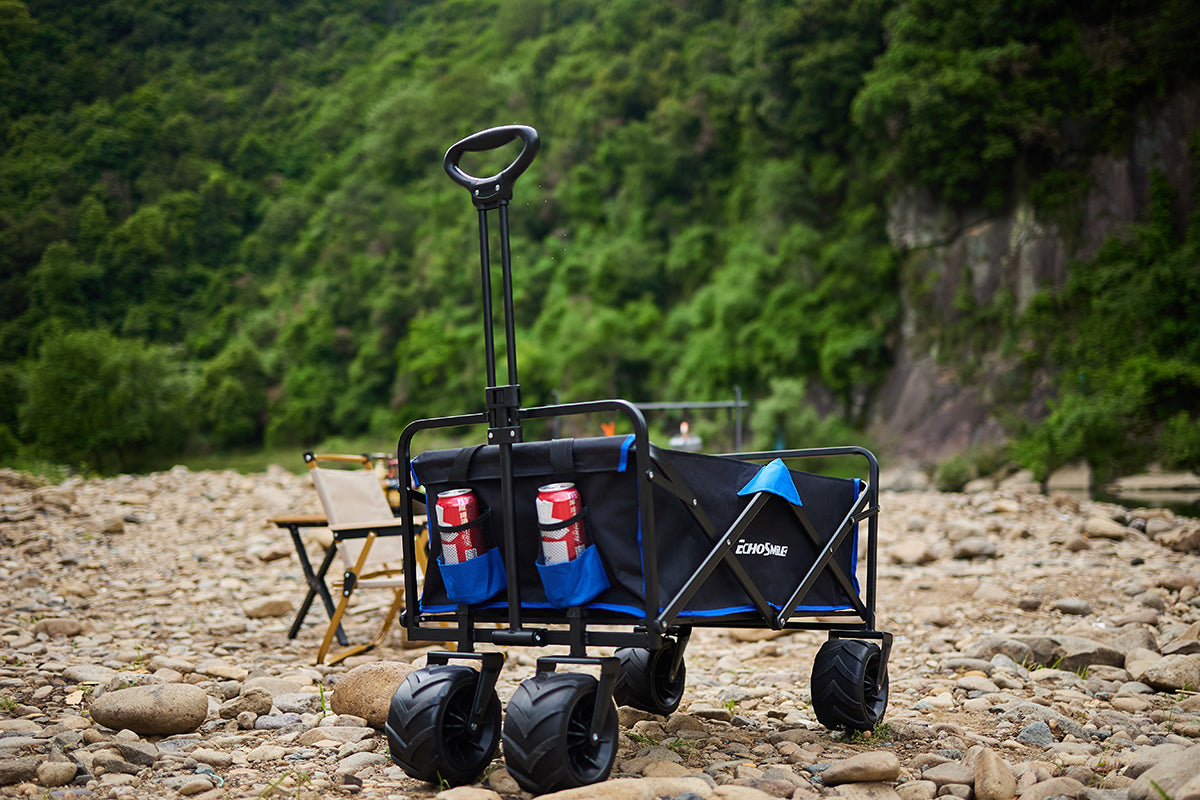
510	331
503	403
485	258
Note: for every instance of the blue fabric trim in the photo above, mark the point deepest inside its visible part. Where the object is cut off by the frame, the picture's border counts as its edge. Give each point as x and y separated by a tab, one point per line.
638	497
416	482
625	445
476	579
824	609
775	479
573	583
634	611
854	547
427	609
717	612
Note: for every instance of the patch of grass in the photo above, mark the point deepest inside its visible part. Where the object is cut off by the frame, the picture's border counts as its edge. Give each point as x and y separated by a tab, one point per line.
47	472
276	786
640	739
324	707
882	732
137	665
1103	767
1161	792
290	458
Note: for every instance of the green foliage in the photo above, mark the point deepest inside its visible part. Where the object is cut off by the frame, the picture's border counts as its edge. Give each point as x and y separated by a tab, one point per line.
971	96
788	418
231	397
1180	441
12	395
1124	334
9	445
954	473
1130	415
111	404
248	198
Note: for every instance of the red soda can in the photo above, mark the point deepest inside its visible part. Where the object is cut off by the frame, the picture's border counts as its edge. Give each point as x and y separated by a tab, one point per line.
454	508
559	502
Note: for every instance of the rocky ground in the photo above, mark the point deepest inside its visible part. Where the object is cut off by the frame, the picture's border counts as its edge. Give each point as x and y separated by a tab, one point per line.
1045	647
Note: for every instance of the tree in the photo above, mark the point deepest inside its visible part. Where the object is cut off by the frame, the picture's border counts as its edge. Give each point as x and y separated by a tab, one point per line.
230	401
109	403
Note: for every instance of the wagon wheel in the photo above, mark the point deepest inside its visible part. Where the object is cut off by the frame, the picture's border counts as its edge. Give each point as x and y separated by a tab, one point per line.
428	726
849	685
645	680
547	733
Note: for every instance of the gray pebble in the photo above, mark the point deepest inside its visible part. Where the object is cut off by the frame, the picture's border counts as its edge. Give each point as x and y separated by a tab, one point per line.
1036	734
1073	606
274	722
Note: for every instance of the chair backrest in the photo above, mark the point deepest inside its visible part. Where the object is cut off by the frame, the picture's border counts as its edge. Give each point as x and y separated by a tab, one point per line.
351	496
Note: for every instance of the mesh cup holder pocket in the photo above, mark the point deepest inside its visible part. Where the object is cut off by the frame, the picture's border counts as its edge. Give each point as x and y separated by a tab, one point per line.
575	582
475	580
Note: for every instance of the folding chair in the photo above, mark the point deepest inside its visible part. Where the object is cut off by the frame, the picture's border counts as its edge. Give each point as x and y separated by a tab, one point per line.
367	537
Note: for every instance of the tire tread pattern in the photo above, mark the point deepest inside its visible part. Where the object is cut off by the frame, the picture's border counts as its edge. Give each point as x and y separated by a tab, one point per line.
844	695
643	679
414	739
537	751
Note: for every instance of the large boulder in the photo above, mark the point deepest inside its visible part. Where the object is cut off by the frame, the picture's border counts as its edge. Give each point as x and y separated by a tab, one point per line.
153	710
366	691
1176	776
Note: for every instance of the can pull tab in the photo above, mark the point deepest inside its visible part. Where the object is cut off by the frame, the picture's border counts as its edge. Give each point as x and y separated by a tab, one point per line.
495	190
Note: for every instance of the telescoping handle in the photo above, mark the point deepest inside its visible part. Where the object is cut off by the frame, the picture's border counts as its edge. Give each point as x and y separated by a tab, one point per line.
495	190
503	402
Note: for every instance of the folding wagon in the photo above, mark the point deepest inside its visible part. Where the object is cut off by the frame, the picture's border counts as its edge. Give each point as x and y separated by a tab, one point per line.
674	540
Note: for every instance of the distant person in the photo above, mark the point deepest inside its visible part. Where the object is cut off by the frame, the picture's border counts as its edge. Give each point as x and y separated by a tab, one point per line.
685	440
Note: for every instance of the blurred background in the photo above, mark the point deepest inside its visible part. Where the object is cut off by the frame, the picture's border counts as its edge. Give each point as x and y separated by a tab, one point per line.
962	233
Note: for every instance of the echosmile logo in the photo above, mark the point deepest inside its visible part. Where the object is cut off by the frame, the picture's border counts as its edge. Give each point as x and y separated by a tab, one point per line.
761	549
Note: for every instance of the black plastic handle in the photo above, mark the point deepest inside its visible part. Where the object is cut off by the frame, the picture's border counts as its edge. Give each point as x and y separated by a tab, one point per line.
497	189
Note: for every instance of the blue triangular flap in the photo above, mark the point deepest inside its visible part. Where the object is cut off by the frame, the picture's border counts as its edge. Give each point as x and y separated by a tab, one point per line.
776	479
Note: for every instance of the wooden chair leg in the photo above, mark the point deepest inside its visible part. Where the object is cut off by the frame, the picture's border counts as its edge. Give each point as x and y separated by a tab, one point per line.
397	604
334	622
348	586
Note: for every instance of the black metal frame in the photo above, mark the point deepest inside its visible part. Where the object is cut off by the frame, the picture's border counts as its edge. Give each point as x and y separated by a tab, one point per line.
504	415
315	579
653	471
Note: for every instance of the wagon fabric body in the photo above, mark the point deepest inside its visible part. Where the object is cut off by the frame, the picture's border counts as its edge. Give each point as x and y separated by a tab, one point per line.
775	552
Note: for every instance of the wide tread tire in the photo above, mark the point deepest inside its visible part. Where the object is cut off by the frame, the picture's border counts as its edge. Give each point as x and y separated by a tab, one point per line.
645	683
546	741
427	726
844	693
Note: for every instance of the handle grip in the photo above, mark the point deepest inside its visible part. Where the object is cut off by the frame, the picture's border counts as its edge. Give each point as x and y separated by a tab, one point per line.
495	190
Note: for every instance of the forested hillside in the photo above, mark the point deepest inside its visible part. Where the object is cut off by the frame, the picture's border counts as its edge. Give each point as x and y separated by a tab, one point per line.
225	225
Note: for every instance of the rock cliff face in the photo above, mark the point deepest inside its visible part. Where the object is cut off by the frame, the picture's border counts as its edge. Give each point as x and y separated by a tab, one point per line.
932	406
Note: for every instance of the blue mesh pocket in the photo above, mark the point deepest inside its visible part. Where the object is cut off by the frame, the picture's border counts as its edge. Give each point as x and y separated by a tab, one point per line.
474	580
574	582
